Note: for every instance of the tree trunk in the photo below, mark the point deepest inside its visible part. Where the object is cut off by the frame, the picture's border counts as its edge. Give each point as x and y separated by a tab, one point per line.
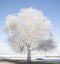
28	54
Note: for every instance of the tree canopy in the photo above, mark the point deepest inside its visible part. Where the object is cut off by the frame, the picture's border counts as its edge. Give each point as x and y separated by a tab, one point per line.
29	28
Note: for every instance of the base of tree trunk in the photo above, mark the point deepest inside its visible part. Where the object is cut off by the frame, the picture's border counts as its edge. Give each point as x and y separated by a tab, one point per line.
28	62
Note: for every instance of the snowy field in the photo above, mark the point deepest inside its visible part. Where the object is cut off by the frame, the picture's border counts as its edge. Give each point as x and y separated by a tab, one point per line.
43	61
6	62
18	60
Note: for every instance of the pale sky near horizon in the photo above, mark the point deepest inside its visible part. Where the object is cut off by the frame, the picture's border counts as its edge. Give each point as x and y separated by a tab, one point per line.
50	8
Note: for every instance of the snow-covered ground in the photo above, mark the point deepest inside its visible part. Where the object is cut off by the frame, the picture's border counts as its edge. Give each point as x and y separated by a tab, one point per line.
5	62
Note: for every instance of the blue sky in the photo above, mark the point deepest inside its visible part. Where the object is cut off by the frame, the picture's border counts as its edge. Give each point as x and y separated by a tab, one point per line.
50	8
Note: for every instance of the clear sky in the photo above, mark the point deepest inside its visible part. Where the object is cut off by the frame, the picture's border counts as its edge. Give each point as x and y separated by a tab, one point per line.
50	8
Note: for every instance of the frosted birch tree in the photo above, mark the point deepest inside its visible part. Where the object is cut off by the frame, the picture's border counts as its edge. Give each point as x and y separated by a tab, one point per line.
28	30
